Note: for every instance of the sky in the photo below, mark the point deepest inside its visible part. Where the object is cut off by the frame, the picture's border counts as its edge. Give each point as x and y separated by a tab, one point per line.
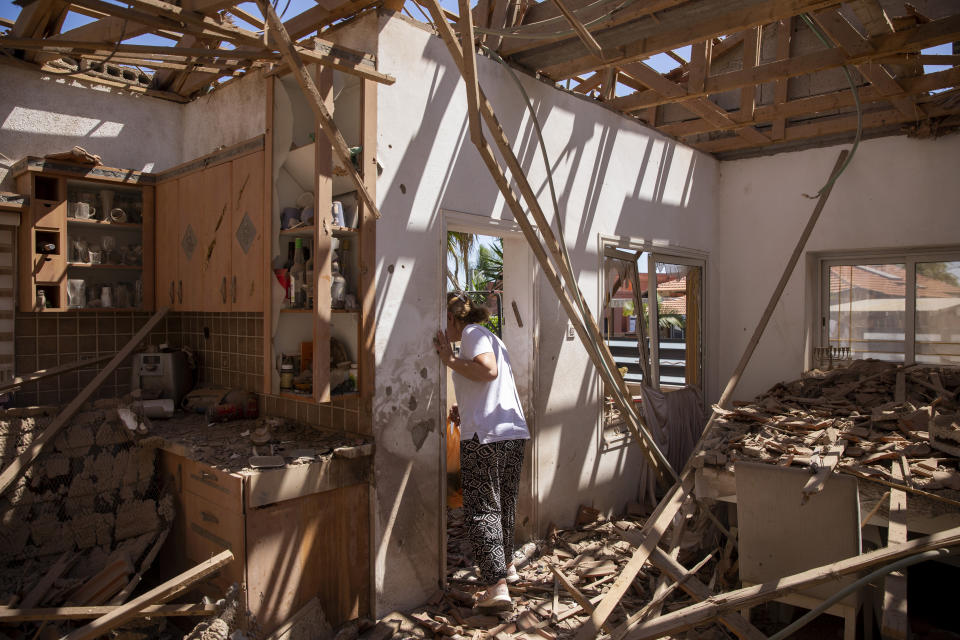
289	8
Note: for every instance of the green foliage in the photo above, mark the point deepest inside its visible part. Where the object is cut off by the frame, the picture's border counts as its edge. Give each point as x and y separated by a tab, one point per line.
937	271
664	320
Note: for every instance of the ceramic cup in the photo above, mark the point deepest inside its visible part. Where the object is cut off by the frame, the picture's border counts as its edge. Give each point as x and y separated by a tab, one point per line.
290	217
83	210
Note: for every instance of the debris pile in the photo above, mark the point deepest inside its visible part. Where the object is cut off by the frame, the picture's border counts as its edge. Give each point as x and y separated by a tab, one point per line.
873	414
556	576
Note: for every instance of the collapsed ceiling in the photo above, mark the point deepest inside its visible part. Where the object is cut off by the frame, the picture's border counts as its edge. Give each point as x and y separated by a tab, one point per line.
737	77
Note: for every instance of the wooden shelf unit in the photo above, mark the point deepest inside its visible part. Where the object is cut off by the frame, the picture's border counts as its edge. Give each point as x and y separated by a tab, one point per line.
54	188
307	164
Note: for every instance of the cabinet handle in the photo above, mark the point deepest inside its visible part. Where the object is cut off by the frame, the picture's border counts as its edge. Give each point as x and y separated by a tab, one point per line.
180	291
223	290
233	289
172	292
209	517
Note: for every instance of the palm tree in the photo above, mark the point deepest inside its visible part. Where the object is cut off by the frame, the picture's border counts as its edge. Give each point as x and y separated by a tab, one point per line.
489	272
459	246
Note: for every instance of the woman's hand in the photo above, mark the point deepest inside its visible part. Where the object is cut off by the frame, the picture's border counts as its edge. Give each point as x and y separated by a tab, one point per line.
443	348
454	415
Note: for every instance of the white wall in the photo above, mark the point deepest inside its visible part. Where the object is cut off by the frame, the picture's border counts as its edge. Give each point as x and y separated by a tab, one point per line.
612	176
42	113
896	192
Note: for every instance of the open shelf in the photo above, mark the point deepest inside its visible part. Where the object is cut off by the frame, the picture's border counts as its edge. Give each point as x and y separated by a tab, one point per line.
343	231
104	223
122	267
305	231
296	310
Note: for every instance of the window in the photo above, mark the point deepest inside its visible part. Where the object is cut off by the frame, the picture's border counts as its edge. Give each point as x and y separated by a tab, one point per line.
658	345
899	307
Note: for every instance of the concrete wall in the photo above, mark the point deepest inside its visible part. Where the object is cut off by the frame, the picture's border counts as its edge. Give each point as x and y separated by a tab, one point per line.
41	114
611	175
896	192
238	109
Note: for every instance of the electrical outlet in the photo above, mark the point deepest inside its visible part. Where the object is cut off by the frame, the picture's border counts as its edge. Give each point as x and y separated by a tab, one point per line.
570	333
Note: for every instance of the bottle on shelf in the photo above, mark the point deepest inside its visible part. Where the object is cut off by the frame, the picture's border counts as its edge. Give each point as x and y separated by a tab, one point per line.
298	276
308	281
338	286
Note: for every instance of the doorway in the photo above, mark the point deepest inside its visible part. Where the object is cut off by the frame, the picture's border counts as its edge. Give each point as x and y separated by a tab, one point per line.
490	262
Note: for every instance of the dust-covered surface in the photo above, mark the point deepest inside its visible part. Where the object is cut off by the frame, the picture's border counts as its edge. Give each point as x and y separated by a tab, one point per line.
880	414
228	446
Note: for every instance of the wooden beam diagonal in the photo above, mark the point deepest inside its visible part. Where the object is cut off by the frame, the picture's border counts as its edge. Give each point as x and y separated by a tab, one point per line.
585	36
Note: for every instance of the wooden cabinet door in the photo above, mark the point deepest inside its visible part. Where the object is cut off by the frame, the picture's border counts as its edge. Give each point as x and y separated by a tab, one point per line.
247	234
189	252
167	243
215	238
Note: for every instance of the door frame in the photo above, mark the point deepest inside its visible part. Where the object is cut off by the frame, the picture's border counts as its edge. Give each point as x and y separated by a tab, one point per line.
451	220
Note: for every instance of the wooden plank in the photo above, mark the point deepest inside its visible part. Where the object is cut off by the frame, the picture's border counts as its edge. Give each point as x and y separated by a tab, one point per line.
751	58
19	381
35	596
469	70
169	589
582	33
674	28
121	597
895	622
653	530
701	612
782	86
919	37
732	620
25	459
291	55
368	259
701	55
323	256
822	103
577	596
828	462
11	615
872	16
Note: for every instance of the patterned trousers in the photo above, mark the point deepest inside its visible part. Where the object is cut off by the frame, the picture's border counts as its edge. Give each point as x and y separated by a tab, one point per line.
491	480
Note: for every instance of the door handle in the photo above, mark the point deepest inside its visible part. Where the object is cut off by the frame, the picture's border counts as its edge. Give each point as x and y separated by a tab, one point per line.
223	290
233	290
180	291
172	289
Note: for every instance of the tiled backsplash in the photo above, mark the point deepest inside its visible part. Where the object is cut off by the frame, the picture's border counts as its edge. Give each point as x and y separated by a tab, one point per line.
45	340
229	348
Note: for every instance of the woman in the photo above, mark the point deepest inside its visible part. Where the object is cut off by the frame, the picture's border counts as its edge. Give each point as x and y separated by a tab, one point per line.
492	431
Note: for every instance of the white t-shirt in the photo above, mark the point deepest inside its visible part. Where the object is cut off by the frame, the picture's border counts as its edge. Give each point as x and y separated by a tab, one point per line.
489	409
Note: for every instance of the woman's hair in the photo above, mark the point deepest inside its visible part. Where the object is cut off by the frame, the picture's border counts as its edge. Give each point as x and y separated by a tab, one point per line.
460	306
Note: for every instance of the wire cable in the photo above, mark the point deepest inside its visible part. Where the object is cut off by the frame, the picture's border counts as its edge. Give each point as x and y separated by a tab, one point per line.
856	99
519	33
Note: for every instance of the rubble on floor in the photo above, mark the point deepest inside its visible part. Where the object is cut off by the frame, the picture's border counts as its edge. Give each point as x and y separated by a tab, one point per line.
872	413
588	557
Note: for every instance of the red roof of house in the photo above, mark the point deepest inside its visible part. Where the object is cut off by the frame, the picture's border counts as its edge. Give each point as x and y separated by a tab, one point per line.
887	280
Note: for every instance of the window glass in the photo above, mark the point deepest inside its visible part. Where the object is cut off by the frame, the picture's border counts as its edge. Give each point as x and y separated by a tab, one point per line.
620	314
867	310
938	312
678	323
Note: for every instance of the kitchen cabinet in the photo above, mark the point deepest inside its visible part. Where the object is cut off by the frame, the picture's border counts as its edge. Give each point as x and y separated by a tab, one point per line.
321	550
88	241
210	229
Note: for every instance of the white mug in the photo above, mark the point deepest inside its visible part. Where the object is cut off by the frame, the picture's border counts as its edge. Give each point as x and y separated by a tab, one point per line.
83	210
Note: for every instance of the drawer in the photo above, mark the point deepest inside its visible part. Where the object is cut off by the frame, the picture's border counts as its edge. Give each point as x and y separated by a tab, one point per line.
210	528
213	485
49	214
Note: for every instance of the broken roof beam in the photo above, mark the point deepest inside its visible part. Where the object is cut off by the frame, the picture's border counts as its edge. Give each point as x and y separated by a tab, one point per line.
751	58
820	104
585	37
701	55
681	25
847	124
544	18
782	86
919	37
872	16
292	55
842	33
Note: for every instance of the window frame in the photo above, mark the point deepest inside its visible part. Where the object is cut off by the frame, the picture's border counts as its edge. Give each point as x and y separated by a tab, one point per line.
663	253
908	257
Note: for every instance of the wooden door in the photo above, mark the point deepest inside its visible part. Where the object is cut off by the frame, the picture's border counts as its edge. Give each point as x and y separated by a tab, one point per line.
167	246
215	238
189	252
247	237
